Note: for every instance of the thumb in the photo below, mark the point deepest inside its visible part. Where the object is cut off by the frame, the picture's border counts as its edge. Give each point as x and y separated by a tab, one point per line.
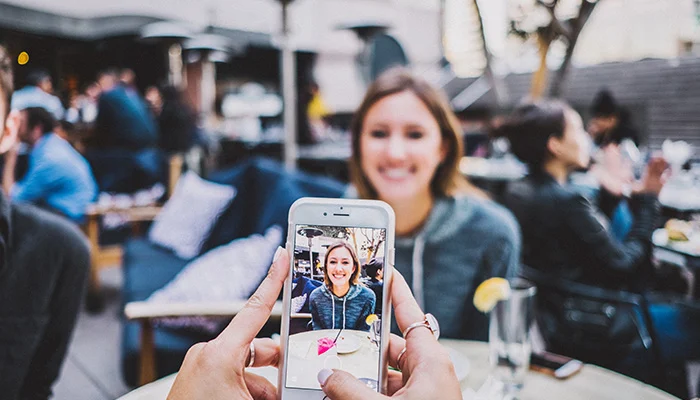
341	385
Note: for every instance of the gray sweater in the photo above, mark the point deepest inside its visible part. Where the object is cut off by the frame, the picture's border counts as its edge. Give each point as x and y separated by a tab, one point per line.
329	311
464	242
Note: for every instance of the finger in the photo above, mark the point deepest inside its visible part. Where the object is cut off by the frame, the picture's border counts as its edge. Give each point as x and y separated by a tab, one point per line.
341	385
260	388
396	344
267	353
406	308
394	382
256	312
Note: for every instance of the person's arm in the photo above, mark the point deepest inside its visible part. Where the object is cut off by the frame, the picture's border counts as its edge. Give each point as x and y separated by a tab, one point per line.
63	309
597	241
8	172
39	180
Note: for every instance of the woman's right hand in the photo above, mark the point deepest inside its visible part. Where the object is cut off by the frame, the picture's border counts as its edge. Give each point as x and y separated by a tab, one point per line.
427	371
654	177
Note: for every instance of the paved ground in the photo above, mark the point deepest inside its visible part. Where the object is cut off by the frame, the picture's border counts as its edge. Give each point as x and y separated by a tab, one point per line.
92	369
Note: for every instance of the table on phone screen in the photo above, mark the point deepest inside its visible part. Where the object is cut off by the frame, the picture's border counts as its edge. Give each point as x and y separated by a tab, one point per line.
591	383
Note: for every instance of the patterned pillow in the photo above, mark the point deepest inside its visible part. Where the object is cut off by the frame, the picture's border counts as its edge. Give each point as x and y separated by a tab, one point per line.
226	273
187	218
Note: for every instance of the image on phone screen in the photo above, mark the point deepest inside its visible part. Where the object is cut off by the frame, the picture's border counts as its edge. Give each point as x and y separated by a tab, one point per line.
336	303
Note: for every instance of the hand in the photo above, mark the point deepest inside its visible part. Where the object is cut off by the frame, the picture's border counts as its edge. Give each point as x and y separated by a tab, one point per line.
427	371
654	177
614	173
216	369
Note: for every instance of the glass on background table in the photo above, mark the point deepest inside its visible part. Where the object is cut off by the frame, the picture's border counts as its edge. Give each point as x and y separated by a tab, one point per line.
591	383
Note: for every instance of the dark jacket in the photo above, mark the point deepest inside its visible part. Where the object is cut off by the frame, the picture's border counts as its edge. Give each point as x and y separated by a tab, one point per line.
44	263
123	121
565	235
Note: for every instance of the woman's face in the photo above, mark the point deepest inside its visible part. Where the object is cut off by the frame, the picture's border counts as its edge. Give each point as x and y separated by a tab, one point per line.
401	147
340	266
575	144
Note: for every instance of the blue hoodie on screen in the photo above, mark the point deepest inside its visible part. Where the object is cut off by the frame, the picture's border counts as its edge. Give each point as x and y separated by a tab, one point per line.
329	311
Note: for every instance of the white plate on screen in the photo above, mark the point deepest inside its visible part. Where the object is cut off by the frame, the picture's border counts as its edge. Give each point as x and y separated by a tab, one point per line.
460	361
348	344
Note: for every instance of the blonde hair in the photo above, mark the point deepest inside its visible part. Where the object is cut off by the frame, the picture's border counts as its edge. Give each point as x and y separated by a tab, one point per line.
447	180
355	277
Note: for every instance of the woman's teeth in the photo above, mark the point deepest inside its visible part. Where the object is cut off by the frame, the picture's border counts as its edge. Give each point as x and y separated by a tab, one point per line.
396	173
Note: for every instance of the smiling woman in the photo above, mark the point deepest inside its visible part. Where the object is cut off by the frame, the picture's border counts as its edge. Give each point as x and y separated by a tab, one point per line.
407	145
342	302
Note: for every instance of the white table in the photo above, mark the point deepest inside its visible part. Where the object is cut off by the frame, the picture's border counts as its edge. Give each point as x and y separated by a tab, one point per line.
591	383
305	362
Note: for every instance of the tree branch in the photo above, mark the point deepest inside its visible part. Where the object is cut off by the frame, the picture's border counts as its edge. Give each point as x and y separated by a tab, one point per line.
558	26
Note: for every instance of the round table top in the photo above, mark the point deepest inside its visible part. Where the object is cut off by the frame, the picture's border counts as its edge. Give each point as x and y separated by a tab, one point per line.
591	383
355	354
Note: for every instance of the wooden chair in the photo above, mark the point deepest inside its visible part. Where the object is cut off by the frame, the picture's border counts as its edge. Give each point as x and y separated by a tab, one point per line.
145	313
105	256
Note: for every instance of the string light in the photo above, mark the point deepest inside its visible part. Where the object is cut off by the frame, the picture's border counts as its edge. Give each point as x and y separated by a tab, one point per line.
23	58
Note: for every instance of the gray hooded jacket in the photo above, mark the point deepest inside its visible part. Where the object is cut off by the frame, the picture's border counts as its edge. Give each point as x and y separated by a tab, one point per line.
329	311
464	242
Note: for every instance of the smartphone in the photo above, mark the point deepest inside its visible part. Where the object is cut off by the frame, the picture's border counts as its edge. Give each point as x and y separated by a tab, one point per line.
558	366
337	311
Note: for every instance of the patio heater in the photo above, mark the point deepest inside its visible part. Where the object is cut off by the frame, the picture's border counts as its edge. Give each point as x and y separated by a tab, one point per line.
310	233
208	49
171	34
288	91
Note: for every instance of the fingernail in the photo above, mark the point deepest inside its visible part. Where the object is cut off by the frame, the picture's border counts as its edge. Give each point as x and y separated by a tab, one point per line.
278	253
323	375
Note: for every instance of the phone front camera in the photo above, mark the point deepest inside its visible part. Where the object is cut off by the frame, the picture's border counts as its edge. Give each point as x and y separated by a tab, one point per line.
324	214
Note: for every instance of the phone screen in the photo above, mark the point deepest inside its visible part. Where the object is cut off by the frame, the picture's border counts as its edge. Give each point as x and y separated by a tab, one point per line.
336	303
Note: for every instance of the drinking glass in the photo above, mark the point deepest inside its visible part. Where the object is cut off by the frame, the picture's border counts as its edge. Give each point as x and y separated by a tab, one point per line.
375	332
509	336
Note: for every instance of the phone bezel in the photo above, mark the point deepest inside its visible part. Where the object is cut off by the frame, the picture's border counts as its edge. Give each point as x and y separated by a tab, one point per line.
337	212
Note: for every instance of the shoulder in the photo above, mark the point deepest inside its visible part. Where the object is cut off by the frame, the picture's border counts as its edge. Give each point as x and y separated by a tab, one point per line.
47	231
316	294
489	220
367	293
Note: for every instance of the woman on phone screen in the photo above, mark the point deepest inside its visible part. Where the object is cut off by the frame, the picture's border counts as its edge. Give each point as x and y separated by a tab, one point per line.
342	302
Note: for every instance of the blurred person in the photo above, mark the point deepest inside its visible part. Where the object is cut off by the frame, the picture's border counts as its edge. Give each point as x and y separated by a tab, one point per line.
610	123
563	233
218	369
45	261
38	93
406	149
154	99
123	120
567	237
127	78
375	272
58	178
83	107
177	122
342	301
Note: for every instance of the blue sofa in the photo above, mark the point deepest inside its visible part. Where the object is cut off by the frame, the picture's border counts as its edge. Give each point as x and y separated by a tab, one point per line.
264	194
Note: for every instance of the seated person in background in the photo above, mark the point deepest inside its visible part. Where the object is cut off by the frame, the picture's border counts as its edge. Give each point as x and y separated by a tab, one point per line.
375	272
44	265
342	302
38	93
301	291
58	177
563	234
123	119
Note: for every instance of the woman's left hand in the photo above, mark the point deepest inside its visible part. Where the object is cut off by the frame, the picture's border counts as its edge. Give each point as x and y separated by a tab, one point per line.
216	369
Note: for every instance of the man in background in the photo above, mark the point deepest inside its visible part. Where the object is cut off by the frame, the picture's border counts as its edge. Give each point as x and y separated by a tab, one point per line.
58	177
38	93
44	262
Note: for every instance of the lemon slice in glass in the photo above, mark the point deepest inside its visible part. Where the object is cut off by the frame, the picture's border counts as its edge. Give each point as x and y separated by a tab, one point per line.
490	292
371	319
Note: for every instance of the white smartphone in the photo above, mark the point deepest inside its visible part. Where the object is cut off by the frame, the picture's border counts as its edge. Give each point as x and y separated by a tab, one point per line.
337	311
